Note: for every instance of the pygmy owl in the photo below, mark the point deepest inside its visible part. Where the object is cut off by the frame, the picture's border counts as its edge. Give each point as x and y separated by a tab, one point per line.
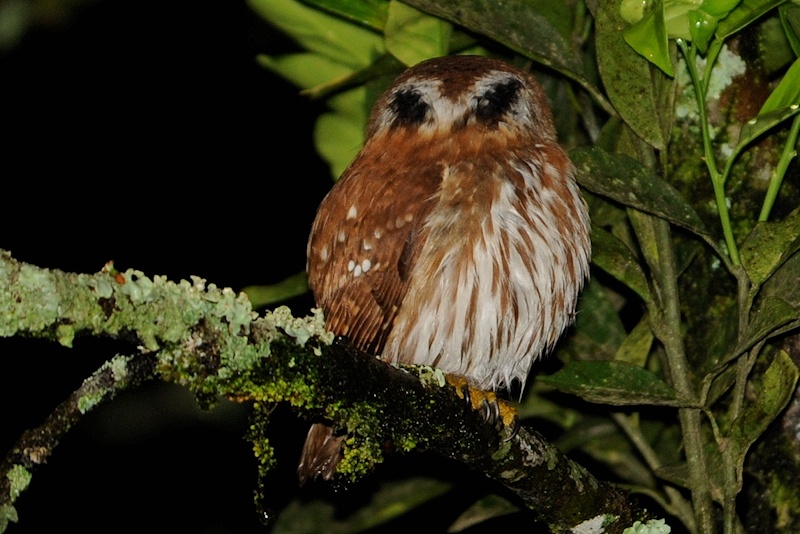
457	238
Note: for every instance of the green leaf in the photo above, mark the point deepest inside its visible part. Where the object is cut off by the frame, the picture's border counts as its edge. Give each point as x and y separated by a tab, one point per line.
769	316
289	287
753	128
635	349
626	181
327	35
790	19
615	383
369	13
391	501
412	36
702	26
614	257
598	330
745	13
338	138
483	510
628	77
520	27
648	37
786	95
783	282
768	246
305	70
775	391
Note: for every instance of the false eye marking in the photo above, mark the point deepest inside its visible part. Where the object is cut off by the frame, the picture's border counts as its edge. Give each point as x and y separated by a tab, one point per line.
409	107
496	98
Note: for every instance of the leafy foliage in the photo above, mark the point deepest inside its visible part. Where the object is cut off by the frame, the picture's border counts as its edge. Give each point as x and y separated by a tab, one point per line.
685	312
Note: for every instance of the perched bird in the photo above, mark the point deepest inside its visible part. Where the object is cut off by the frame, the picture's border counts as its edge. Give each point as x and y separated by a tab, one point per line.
457	238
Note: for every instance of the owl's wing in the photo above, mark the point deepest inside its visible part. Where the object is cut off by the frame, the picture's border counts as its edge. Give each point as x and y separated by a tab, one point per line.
363	246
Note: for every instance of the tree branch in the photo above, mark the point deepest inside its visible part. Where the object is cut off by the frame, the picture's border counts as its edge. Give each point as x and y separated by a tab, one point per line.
209	340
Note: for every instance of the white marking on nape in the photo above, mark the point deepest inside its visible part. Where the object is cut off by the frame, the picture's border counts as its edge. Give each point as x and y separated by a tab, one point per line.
357	271
366	244
323	253
377	233
341	236
409	217
365	265
399	222
352	213
377	266
350	266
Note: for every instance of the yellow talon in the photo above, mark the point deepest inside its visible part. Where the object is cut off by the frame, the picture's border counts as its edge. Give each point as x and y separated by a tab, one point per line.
487	402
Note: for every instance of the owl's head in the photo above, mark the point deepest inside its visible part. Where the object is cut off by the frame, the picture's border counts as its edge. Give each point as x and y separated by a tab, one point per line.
448	95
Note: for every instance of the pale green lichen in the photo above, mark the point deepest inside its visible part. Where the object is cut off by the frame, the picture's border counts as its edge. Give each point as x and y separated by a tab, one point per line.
7	514
19	478
430	375
653	526
302	329
29	299
65	334
502	451
595	525
101	284
118	365
137	287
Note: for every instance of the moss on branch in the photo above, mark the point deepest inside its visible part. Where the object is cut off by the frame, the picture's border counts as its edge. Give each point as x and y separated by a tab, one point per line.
209	340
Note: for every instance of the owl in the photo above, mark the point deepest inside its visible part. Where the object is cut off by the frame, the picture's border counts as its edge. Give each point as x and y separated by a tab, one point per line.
457	238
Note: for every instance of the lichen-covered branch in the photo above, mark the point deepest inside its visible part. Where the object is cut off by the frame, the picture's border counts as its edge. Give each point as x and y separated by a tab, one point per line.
210	341
35	446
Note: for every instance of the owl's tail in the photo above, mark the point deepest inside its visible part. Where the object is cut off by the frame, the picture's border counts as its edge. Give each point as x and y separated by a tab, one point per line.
321	453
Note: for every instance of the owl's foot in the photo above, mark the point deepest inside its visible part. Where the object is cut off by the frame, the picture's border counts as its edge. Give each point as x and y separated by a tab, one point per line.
493	409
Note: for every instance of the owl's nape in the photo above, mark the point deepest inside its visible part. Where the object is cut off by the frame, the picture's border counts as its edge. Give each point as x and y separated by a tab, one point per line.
457	238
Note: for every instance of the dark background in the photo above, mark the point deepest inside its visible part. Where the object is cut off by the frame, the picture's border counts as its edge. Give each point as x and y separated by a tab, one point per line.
145	133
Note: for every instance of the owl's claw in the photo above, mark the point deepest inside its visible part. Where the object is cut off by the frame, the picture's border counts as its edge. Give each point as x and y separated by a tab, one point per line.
493	409
514	429
490	410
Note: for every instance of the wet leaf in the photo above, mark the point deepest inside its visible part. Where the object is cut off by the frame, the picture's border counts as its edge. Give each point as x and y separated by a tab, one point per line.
790	18
770	315
615	383
614	257
769	245
520	27
776	389
627	77
783	282
785	95
626	181
762	123
648	37
744	14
